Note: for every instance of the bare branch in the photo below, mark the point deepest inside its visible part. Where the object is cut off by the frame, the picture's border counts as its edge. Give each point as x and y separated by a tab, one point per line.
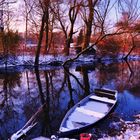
101	37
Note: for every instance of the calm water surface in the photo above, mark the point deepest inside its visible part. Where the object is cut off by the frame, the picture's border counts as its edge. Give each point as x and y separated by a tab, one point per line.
23	92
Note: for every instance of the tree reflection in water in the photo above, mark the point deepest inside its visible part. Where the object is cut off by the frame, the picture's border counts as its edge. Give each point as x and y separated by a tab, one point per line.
22	93
8	82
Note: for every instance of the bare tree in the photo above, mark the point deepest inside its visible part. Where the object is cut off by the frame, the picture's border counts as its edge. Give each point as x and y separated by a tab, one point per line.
28	9
7	11
128	21
67	22
101	13
40	40
94	13
44	24
46	10
88	19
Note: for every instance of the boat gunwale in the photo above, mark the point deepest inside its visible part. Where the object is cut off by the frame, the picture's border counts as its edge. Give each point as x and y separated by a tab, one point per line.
61	133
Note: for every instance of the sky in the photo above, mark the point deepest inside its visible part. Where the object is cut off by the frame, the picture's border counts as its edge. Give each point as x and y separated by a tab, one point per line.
19	21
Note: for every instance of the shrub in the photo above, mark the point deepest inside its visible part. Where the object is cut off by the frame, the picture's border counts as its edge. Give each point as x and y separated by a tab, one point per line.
10	41
109	47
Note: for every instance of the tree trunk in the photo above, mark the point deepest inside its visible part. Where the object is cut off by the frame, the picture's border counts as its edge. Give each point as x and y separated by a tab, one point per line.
88	25
40	41
47	27
91	6
69	40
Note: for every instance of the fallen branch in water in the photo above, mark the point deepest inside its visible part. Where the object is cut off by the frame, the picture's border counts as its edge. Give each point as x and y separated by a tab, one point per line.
22	132
28	126
100	38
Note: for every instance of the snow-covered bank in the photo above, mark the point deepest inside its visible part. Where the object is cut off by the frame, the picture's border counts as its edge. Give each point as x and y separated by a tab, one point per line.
129	130
43	60
55	60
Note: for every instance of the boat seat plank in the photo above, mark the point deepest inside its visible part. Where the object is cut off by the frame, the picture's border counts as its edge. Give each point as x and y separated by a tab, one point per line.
102	99
89	112
106	91
105	95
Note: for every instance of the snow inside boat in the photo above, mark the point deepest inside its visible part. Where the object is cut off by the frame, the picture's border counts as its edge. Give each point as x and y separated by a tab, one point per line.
88	111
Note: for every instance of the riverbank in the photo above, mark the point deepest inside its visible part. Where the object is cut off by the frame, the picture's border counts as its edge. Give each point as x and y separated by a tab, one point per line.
129	130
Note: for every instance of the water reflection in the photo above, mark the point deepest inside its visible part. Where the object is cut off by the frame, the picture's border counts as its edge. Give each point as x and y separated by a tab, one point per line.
58	89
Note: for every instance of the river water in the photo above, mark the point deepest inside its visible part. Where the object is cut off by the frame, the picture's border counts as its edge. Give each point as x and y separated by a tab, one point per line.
24	90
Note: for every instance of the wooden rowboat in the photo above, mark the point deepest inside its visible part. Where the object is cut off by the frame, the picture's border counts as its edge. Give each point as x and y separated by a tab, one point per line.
88	111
